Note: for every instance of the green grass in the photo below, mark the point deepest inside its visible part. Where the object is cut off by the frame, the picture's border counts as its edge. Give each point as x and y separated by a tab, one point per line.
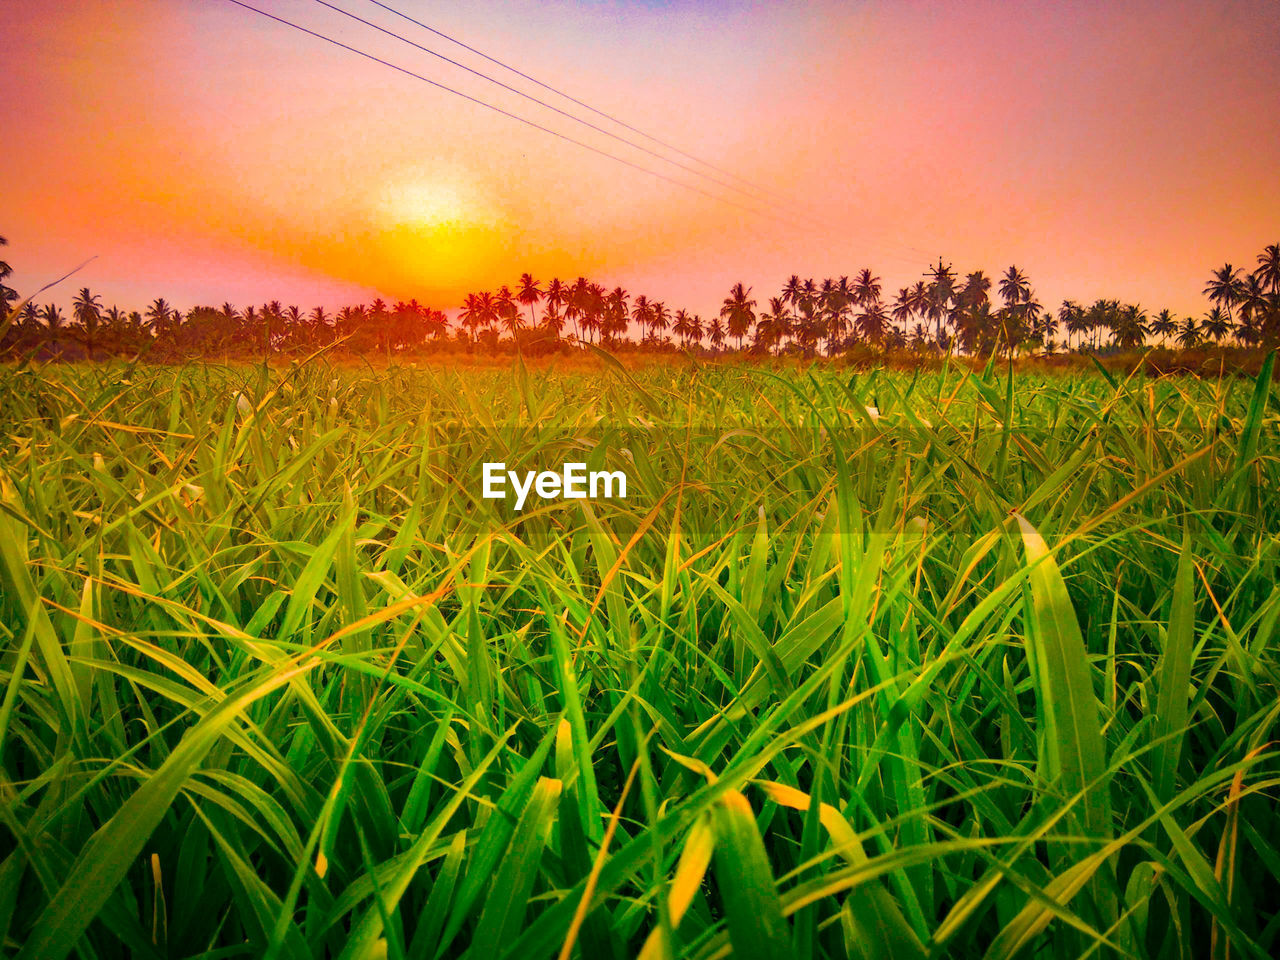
874	665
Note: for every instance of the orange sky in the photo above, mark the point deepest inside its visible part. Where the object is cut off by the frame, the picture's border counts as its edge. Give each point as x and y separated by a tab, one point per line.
204	154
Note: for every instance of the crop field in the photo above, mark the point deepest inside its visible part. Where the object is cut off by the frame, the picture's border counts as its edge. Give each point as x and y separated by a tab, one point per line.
872	664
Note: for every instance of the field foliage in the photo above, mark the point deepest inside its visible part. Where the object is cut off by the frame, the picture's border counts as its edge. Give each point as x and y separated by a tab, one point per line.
868	664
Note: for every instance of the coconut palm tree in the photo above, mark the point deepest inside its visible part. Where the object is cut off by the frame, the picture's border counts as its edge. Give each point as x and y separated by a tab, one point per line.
529	294
578	306
556	296
1216	325
659	320
553	320
472	315
715	333
834	300
1014	287
7	294
1225	288
162	318
793	291
738	311
1131	327
29	317
616	313
681	326
1247	332
903	309
53	321
872	320
115	327
1268	271
1253	299
86	308
641	313
505	310
866	287
975	291
1189	335
1164	325
939	295
318	321
771	329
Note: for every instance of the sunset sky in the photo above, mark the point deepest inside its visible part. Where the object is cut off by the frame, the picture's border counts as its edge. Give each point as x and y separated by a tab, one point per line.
204	153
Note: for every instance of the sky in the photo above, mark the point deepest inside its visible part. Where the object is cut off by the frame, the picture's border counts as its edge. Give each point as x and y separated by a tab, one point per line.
201	152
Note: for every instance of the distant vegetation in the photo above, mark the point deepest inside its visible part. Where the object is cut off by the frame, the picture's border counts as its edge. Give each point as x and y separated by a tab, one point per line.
941	313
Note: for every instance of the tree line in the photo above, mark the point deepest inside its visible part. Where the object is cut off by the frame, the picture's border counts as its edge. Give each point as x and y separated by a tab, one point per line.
973	314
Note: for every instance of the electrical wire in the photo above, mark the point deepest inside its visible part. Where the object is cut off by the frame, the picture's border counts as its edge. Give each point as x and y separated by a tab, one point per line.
528	96
571	99
514	116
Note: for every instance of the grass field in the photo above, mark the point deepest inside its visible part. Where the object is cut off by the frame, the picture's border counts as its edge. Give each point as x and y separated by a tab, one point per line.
872	664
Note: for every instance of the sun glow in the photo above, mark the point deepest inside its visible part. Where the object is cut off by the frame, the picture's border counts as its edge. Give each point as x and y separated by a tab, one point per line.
427	204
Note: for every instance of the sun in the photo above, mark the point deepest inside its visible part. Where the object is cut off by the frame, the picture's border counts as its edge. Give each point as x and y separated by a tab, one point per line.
420	203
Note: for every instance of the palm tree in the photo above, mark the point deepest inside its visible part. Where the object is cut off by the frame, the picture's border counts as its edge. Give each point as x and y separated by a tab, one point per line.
505	310
682	326
1072	317
115	326
872	320
660	319
833	303
640	313
695	329
772	326
903	308
553	320
1131	327
974	293
87	310
161	317
1216	325
472	316
1189	335
866	288
1164	325
578	303
919	295
738	312
616	313
529	295
556	296
939	295
1225	288
715	333
318	325
1101	315
1268	272
1253	299
1247	332
7	294
793	291
434	322
29	317
53	321
1014	288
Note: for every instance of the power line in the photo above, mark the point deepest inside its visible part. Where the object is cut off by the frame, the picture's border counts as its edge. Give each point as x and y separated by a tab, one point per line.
537	126
571	99
759	193
564	113
507	113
